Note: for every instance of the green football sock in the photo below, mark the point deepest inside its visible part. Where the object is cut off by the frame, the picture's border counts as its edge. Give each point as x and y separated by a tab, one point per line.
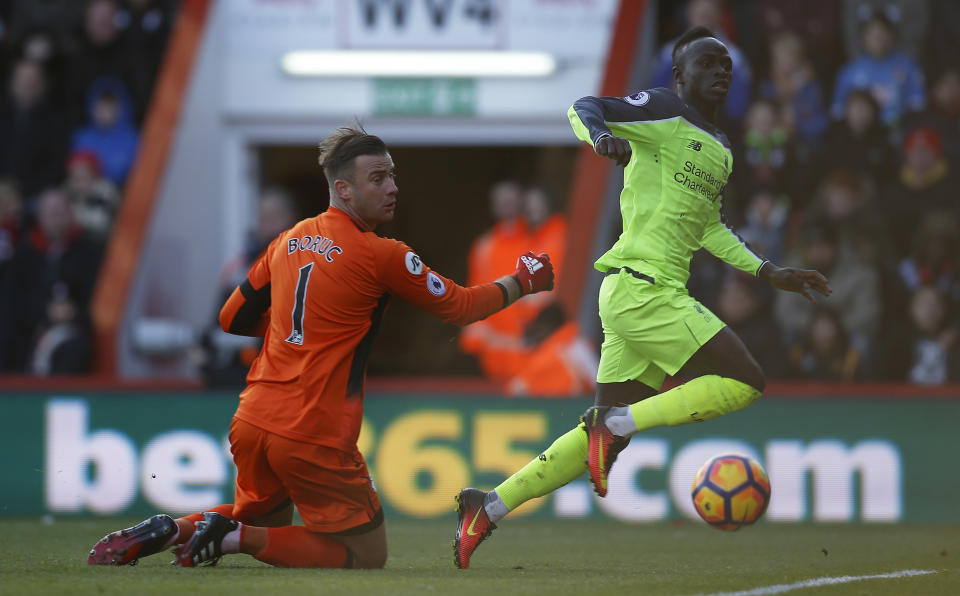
699	399
563	461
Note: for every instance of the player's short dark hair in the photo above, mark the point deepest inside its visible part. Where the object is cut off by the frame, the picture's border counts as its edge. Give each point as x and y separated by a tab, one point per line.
345	144
691	35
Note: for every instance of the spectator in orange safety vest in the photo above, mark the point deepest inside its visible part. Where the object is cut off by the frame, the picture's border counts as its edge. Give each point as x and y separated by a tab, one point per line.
548	232
562	363
497	341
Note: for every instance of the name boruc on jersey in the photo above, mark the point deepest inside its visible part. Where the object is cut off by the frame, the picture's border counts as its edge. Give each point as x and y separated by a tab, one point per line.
318	244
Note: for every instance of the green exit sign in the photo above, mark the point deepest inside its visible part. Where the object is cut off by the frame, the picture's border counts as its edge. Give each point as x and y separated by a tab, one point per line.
437	97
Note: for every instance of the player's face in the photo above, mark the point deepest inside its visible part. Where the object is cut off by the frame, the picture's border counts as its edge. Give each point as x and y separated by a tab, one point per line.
706	70
374	198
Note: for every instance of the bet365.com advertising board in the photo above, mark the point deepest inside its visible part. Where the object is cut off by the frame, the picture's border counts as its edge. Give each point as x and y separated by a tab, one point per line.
847	460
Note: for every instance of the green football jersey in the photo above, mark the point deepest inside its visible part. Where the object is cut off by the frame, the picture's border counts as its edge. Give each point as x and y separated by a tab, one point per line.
672	186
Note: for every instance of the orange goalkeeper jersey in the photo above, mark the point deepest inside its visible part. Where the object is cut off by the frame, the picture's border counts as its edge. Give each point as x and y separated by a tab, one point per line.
317	295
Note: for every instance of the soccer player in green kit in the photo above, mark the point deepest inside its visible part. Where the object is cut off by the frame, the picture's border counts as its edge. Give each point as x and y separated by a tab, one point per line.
677	163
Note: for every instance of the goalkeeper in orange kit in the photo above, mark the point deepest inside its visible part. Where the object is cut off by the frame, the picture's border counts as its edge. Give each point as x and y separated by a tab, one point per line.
317	295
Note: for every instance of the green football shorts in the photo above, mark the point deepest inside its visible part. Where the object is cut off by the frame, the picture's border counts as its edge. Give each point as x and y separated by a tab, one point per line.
649	331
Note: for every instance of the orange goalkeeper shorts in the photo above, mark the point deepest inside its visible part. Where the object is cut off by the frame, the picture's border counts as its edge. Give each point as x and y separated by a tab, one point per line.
332	489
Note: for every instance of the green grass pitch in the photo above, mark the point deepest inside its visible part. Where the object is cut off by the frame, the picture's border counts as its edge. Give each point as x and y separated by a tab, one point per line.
522	557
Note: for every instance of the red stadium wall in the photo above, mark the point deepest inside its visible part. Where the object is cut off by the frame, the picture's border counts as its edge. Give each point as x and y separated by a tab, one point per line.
133	220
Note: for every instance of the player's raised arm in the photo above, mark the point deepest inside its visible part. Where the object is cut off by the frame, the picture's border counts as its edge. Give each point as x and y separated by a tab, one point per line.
723	243
406	276
610	123
726	245
801	281
247	310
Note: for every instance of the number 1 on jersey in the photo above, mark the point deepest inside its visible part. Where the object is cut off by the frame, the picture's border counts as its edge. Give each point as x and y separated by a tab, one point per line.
296	335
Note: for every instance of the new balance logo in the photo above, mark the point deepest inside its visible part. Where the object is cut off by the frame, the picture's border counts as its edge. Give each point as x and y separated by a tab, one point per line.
695	145
533	265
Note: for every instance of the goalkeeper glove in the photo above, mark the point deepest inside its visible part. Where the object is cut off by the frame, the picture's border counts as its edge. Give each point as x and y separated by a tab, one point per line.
534	273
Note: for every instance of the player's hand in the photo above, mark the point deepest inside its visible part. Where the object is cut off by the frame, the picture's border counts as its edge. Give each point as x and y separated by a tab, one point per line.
801	281
614	148
534	273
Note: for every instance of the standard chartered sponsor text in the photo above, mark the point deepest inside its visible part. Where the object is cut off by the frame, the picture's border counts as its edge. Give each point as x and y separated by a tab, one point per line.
699	180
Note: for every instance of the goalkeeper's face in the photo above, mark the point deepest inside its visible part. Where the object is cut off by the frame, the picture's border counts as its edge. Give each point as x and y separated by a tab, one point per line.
374	189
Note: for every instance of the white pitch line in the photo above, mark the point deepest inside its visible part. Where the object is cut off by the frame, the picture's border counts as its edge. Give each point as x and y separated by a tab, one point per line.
823	581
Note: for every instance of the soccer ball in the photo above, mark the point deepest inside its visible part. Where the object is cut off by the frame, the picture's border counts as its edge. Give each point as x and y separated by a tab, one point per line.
731	491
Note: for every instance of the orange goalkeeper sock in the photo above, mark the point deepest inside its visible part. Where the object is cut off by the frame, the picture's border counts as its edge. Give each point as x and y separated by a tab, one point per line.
185	524
294	546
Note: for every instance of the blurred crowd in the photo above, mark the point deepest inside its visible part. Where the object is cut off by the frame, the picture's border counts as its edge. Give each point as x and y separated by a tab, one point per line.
845	118
77	77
